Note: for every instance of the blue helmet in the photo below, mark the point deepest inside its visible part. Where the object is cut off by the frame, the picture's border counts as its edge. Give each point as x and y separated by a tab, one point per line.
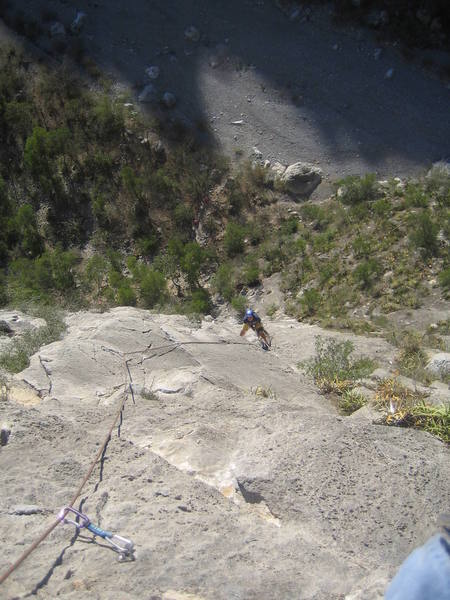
249	312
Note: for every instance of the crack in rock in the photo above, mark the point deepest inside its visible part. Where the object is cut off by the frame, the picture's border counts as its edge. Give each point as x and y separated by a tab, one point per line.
47	373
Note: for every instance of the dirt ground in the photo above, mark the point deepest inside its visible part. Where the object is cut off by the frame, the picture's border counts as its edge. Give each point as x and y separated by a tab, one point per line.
306	91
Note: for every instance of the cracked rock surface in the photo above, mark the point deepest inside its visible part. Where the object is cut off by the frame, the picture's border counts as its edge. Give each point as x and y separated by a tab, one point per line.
225	492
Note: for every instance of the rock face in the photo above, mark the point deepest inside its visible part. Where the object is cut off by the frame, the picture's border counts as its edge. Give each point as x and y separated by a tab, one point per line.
231	474
301	179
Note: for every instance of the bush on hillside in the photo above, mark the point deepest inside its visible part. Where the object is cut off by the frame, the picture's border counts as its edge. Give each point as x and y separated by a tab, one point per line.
234	239
356	190
415	196
224	282
39	278
424	234
200	302
333	363
153	288
367	272
310	301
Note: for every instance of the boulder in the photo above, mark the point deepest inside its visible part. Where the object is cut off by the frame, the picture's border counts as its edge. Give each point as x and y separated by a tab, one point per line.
153	72
440	169
301	179
57	29
218	56
169	100
439	364
381	374
192	34
78	22
148	94
377	18
5	329
278	169
439	393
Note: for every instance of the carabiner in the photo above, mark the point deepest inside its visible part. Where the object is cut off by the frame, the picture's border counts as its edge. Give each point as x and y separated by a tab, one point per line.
84	520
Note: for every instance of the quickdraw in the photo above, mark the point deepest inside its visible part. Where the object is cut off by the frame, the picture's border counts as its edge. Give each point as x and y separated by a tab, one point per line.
124	547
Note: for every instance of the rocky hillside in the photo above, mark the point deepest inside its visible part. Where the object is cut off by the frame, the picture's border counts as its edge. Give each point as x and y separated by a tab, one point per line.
233	477
161	168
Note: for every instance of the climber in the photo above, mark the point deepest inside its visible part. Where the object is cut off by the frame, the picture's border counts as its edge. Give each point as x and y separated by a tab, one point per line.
252	320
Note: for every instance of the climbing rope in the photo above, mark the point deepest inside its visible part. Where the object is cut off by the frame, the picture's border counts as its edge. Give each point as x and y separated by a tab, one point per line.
51	527
118	415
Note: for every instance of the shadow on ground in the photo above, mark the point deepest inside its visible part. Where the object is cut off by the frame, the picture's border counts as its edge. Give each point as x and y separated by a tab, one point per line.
303	90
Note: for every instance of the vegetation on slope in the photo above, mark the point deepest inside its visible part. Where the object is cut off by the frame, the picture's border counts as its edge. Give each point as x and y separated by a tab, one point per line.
96	211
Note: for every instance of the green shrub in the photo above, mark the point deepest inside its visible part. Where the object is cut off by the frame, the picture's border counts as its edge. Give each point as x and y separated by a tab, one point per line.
107	119
126	295
250	273
238	303
362	246
355	190
17	356
350	401
424	234
333	362
289	226
255	233
271	309
300	246
310	301
415	196
234	239
411	358
359	212
183	215
327	271
438	183
30	242
194	261
200	302
148	245
313	212
153	288
42	147
94	273
131	182
323	242
382	207
223	281
444	278
38	278
367	272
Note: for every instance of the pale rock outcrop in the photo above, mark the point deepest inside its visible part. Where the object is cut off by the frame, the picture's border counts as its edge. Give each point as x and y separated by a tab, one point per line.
439	364
301	178
229	471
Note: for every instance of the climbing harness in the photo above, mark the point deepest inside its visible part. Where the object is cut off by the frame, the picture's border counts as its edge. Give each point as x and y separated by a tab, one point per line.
124	547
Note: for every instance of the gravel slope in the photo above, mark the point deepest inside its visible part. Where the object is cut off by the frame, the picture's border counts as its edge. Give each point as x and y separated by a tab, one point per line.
304	90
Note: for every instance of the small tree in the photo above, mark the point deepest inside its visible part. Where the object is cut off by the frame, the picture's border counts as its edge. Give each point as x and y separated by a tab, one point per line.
234	239
153	288
193	261
366	272
424	232
355	190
